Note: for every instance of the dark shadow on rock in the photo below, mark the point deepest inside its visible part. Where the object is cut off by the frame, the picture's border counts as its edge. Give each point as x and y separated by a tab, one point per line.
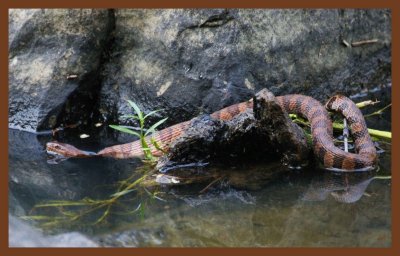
54	55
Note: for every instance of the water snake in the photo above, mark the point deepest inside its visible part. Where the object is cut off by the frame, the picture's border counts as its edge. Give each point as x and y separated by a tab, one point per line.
330	155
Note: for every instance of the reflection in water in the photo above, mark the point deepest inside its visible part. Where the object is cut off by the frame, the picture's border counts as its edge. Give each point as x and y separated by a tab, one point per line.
343	187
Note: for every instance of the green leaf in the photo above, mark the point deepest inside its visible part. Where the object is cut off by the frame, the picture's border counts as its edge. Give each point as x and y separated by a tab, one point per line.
132	127
39	217
156	145
152	113
154	126
121	193
136	108
126	130
130	116
61	203
141	211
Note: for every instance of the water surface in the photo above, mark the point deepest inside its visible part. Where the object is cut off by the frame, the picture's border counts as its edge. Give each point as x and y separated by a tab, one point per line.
264	205
252	205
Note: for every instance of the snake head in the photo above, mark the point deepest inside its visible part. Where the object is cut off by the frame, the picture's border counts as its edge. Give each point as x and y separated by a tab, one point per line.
66	150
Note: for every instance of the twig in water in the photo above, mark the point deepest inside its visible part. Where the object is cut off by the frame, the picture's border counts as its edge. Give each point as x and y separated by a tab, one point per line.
54	131
379	112
209	185
346	43
359	43
168	168
373	132
345	135
366	103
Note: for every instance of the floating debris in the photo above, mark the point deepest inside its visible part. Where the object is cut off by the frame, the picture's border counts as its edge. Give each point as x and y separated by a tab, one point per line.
84	136
98	124
359	43
166	179
346	43
70	77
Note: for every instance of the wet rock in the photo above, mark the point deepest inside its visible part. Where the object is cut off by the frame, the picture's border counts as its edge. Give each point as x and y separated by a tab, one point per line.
21	234
54	58
264	133
134	238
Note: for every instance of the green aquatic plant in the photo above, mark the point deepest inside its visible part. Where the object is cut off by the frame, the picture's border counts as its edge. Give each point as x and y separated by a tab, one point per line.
131	196
142	132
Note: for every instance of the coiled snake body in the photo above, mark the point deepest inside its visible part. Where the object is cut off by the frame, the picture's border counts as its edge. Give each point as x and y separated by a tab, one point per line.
331	156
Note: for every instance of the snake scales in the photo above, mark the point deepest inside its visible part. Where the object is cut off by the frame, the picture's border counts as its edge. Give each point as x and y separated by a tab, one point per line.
330	155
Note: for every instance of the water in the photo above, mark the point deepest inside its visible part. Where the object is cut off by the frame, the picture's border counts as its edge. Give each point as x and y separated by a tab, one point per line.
260	205
247	207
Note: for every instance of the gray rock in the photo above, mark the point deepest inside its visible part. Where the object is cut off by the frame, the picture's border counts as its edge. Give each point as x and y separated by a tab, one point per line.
194	61
47	49
21	234
184	61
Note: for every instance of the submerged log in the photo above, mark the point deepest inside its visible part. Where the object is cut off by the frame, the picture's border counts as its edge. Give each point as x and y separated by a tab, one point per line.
264	133
284	135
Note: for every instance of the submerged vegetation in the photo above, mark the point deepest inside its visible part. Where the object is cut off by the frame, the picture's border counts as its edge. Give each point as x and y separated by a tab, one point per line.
131	197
